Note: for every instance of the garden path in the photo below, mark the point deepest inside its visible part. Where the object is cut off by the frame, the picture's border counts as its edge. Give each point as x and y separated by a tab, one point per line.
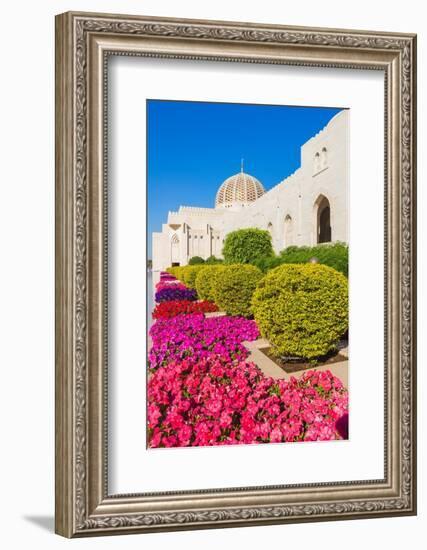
269	367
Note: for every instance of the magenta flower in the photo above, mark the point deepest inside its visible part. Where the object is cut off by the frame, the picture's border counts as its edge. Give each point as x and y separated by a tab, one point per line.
183	336
211	401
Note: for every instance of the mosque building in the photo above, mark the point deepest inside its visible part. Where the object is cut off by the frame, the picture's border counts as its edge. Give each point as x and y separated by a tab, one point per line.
306	208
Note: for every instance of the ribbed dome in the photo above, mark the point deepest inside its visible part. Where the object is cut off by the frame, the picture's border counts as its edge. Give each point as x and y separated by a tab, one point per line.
238	190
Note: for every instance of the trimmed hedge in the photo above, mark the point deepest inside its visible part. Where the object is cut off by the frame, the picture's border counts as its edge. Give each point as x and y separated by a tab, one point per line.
188	273
205	281
178	272
196	260
233	287
214	260
269	263
302	309
245	246
334	255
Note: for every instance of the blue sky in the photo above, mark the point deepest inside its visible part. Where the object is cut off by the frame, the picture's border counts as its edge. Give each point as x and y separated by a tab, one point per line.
192	147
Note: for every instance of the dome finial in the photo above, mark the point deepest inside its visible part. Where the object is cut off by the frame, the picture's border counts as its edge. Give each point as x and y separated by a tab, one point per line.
241	164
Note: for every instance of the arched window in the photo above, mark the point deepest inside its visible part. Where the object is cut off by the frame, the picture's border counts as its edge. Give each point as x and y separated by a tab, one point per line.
270	228
323	220
288	233
175	249
316	166
324	158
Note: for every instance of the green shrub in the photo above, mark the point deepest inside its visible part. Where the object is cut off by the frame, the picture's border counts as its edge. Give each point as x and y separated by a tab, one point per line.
214	260
177	271
196	260
266	264
188	274
334	255
245	246
302	309
233	287
174	270
205	280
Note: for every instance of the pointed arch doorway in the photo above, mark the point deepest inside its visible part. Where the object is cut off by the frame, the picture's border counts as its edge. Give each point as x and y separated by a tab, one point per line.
323	220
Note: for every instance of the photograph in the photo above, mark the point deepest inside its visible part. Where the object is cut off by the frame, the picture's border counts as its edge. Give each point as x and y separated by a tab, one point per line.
247	273
235	272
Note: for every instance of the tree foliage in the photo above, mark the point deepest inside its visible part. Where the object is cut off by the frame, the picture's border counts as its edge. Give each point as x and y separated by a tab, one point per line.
245	246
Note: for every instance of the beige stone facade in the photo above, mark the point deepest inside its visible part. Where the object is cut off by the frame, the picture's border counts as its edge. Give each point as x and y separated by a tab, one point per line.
306	208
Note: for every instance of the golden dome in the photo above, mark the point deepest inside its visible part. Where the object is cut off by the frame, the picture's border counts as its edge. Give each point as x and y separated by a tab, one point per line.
238	190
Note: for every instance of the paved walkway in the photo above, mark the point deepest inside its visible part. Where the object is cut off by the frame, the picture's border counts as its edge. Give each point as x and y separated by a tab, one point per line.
269	367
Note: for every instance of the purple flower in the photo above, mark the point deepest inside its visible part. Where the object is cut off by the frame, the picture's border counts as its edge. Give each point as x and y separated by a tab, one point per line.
172	293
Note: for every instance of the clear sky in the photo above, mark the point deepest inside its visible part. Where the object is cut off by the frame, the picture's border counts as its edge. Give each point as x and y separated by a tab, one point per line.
192	147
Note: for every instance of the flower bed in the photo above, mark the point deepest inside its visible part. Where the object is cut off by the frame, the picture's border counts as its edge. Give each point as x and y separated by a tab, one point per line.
203	392
209	401
165	276
166	310
175	292
194	335
170	284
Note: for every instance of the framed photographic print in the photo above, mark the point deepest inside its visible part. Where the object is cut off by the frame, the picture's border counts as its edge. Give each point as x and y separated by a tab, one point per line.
235	274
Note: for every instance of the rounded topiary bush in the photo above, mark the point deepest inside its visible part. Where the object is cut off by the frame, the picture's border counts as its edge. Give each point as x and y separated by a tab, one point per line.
233	287
205	280
177	272
302	309
245	246
189	273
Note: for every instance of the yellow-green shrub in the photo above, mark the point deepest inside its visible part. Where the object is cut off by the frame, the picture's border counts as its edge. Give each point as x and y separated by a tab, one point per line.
188	274
205	280
302	309
233	288
176	271
173	270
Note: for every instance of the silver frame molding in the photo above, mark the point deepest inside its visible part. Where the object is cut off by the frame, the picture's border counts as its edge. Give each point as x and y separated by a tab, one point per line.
84	42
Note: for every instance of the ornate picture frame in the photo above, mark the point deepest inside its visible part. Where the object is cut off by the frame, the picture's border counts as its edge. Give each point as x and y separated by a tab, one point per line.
84	42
